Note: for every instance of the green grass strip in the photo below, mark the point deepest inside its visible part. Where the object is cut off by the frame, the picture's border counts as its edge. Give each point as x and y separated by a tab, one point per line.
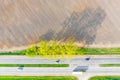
105	78
110	65
22	52
99	51
34	65
38	78
84	51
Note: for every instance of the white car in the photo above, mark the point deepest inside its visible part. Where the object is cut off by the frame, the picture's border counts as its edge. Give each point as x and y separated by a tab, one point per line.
20	68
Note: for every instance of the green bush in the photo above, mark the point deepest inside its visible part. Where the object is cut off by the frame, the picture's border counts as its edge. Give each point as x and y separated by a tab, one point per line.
52	49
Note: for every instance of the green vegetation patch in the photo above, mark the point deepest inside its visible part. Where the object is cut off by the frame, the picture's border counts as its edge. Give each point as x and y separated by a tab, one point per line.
83	51
34	65
38	78
99	51
110	65
22	52
105	78
52	49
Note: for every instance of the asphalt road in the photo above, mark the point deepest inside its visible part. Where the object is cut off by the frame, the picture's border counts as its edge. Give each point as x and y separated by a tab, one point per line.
74	62
93	64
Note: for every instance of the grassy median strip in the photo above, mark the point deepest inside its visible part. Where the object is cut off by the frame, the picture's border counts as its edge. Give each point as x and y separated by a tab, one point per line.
110	65
34	65
105	78
38	78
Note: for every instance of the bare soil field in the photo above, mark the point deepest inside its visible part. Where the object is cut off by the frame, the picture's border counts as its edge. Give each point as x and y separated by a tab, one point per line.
25	22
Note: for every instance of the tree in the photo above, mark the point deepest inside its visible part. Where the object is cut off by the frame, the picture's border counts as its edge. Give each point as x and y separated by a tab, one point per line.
31	51
70	48
53	49
43	49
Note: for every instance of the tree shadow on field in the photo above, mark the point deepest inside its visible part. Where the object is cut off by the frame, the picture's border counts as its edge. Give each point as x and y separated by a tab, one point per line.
80	26
48	36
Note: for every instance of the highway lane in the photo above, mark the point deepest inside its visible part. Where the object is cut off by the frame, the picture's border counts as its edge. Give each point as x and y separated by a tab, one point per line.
73	62
34	71
55	71
95	61
104	70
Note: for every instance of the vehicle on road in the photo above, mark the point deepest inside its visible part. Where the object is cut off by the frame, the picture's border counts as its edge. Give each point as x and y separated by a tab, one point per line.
87	59
58	60
21	67
80	70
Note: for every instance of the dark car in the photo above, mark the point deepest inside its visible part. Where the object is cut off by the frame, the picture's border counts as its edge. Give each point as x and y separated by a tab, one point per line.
80	70
58	60
87	59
